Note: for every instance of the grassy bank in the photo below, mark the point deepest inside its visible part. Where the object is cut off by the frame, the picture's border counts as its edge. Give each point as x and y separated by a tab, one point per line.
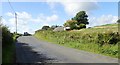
101	39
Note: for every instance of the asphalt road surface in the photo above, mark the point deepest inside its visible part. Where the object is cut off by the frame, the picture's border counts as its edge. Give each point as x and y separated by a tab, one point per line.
31	50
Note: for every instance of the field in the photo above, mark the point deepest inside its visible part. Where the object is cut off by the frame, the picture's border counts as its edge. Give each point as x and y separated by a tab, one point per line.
100	39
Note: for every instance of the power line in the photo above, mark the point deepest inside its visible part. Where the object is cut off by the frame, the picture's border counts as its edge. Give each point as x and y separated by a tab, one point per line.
11	6
15	15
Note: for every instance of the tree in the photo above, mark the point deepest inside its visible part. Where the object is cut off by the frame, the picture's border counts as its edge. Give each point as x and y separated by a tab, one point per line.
45	27
7	37
81	18
78	22
55	26
71	23
118	21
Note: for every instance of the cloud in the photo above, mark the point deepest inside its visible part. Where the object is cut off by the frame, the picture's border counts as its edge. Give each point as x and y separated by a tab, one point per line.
57	0
10	14
52	18
70	0
104	19
26	23
51	4
23	15
71	7
46	19
3	21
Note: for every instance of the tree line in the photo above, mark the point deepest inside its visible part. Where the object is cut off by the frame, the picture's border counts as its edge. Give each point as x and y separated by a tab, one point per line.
79	21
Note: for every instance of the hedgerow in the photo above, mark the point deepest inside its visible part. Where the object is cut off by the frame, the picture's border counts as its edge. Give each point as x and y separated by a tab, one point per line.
102	41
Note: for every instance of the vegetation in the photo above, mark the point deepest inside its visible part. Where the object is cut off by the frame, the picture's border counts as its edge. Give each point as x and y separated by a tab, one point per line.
118	21
71	24
8	46
54	26
81	18
45	27
98	40
78	22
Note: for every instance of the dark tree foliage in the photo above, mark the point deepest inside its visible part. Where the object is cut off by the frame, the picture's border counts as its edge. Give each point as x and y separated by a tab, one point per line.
118	21
7	37
81	18
45	27
71	24
78	22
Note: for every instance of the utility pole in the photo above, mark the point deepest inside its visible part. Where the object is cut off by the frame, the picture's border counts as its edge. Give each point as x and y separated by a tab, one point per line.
0	17
15	16
16	21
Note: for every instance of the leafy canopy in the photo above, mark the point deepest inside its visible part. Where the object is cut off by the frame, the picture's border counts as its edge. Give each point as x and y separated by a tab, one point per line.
118	20
81	18
78	22
71	23
45	27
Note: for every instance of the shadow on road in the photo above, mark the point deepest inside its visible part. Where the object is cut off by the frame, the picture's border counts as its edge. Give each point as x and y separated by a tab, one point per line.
25	54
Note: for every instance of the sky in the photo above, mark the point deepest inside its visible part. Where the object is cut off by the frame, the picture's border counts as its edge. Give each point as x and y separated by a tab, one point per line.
31	16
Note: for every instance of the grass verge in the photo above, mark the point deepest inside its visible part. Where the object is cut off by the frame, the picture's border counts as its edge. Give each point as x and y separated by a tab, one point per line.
97	40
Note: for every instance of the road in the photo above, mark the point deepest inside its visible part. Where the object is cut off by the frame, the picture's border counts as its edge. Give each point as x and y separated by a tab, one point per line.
31	50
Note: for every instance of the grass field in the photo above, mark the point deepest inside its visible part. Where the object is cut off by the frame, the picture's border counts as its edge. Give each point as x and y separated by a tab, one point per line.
100	39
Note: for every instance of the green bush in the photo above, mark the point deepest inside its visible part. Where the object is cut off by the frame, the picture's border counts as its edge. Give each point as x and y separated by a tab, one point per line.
45	27
82	26
71	24
108	38
8	46
7	37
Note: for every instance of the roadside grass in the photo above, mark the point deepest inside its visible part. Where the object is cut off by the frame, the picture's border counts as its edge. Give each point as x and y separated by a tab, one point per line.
97	40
